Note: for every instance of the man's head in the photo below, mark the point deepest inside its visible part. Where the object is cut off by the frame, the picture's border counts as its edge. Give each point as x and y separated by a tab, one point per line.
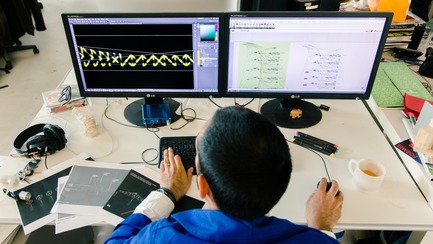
245	160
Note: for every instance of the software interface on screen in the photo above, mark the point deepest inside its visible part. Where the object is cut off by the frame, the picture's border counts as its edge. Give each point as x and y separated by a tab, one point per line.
302	55
132	56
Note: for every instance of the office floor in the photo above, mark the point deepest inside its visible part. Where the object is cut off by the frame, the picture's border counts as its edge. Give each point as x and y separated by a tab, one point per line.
34	73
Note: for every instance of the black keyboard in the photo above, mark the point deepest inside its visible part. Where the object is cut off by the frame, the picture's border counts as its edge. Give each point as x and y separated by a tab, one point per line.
184	146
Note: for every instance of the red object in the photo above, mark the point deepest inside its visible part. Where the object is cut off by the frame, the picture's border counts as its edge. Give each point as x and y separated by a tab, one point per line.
413	104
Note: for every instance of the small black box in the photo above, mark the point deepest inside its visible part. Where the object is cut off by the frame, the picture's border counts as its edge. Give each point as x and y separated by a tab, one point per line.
398	52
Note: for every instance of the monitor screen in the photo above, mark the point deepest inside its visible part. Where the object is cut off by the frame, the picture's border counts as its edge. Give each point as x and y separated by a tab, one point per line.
332	55
145	55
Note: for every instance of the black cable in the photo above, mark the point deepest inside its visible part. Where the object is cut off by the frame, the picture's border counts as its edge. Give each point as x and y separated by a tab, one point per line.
236	104
210	99
187	118
149	161
120	123
190	119
323	160
244	105
45	161
154	130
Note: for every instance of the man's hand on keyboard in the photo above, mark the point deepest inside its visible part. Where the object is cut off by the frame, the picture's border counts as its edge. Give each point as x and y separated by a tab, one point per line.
173	175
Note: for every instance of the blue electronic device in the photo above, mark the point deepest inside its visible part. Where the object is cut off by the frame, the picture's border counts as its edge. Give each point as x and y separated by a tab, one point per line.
156	114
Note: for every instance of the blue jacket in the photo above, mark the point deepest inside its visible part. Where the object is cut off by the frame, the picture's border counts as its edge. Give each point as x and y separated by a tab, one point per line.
208	226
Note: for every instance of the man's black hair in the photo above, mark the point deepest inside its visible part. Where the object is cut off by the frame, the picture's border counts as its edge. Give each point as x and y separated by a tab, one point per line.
246	161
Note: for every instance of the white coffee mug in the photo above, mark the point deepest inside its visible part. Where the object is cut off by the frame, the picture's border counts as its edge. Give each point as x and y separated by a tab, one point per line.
367	174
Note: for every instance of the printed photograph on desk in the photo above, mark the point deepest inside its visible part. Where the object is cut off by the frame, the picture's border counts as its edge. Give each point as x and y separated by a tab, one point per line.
133	190
35	213
89	187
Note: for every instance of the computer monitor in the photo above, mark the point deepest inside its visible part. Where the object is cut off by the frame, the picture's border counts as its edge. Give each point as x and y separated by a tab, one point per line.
153	56
291	56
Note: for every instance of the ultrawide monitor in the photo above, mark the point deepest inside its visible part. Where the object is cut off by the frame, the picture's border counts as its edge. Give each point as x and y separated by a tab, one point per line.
299	55
153	56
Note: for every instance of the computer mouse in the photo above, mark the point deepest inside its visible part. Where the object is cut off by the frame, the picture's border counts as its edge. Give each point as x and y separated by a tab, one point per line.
328	186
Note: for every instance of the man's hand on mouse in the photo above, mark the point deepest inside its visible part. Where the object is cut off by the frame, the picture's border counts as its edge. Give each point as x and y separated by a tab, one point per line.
323	208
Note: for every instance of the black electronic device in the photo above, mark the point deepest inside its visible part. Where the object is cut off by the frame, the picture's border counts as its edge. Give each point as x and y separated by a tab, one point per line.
184	146
291	56
262	5
329	5
284	5
328	186
416	37
39	140
426	67
154	56
405	53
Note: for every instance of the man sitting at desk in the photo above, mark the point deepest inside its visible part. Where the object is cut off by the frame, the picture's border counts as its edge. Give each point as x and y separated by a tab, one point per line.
243	168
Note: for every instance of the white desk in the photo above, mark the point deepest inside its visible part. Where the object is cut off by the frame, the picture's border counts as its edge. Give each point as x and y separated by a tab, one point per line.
399	205
393	128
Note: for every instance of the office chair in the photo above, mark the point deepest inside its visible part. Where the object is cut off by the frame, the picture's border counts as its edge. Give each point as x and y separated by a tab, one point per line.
5	70
18	47
18	15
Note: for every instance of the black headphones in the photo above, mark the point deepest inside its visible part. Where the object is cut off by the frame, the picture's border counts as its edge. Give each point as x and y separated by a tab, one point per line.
52	139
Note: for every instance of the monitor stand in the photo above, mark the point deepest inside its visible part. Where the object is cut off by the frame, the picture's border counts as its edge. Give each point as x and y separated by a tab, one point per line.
278	111
133	112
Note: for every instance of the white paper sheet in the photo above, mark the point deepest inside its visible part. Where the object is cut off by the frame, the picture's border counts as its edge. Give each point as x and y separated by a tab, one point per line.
88	188
67	222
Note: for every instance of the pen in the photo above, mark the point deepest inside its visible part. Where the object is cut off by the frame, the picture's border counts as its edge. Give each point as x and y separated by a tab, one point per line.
322	142
316	147
412	119
317	143
312	147
74	100
66	107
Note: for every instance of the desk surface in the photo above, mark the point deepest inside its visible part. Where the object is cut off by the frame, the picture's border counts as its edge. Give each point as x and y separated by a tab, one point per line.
393	128
398	205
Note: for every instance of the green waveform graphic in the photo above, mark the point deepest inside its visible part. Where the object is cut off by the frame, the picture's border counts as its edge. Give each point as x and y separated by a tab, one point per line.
96	58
